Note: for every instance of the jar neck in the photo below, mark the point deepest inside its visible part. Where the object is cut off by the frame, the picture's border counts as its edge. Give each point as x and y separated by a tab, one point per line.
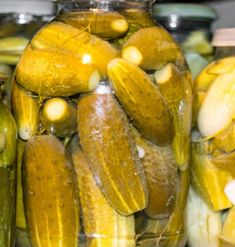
224	51
104	5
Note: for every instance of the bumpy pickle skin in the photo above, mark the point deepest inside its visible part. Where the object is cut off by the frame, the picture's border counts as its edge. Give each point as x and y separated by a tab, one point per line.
86	47
176	89
161	176
106	25
107	141
208	180
25	108
103	225
142	101
51	72
59	117
151	48
50	193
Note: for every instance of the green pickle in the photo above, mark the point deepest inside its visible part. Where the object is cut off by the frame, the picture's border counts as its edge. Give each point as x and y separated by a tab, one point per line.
169	231
8	139
102	100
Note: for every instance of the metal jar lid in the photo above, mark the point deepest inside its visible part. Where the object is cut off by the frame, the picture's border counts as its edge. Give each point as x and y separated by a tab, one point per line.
184	10
224	37
34	7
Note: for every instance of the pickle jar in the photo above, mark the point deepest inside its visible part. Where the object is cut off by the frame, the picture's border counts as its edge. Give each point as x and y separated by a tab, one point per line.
102	99
190	24
19	21
212	151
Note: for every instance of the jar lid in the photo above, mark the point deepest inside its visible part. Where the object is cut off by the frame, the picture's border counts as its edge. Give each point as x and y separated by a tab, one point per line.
34	7
224	37
184	10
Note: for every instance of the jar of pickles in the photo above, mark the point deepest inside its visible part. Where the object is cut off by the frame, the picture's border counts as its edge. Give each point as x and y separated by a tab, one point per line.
19	21
102	100
212	159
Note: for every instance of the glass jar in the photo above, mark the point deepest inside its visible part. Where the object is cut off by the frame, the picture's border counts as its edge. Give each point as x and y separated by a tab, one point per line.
102	100
190	25
212	156
19	21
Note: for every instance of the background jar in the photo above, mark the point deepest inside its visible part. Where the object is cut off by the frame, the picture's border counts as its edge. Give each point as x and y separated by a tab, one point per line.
212	149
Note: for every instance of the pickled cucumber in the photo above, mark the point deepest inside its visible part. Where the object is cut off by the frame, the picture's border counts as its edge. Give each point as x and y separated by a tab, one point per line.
177	91
50	193
136	19
59	117
208	180
55	73
169	232
142	101
21	238
7	206
20	214
77	43
107	141
106	25
212	116
25	108
11	48
103	225
222	66
161	176
151	48
8	137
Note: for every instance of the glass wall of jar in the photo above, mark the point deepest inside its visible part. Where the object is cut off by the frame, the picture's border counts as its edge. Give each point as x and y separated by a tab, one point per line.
212	151
19	21
106	122
190	25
